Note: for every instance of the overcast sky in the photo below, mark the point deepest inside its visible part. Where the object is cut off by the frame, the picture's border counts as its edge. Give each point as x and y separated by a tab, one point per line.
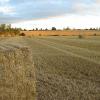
48	13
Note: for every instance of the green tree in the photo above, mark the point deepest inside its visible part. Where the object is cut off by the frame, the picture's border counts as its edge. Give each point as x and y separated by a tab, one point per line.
2	27
53	28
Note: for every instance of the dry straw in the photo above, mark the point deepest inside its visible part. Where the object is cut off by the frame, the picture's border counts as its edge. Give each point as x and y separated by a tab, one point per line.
17	78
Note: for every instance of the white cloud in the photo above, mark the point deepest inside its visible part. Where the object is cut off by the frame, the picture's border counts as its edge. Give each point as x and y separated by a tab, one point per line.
73	21
86	8
34	9
7	10
97	1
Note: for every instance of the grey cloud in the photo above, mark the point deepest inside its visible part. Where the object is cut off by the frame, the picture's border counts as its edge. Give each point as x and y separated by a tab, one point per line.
34	9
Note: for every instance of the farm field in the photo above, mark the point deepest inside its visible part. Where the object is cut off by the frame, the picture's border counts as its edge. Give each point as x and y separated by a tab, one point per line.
67	68
61	33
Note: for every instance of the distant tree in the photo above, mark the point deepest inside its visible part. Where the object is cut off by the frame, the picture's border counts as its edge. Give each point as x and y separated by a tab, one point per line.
20	29
67	28
53	28
92	29
97	28
86	29
2	27
7	30
14	31
36	29
8	26
41	29
25	30
46	29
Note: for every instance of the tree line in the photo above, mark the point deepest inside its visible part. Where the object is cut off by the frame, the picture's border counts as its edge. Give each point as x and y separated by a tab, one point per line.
54	29
7	30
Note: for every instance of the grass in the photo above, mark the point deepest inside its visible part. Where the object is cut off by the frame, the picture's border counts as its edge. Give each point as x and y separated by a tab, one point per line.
67	68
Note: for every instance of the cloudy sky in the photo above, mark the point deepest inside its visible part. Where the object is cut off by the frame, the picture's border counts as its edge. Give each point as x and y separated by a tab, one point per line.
47	13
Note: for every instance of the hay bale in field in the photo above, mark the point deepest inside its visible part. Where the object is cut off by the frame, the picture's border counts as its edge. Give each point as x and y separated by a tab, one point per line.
81	36
17	79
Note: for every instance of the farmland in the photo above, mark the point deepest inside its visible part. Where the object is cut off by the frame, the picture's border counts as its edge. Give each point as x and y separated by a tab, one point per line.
61	33
66	67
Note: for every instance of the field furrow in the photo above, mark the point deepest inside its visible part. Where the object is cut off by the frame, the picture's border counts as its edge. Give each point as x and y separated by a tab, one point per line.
74	41
75	51
61	73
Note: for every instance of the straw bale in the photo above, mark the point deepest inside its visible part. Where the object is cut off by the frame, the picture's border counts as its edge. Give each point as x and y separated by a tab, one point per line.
17	75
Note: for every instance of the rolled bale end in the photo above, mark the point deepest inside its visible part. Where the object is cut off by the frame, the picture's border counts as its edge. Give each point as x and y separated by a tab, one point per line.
17	75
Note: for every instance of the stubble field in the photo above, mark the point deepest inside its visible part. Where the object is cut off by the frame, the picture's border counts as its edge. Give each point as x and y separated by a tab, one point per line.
66	68
62	33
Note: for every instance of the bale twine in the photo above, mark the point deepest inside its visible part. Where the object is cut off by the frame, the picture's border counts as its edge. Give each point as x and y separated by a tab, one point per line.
17	78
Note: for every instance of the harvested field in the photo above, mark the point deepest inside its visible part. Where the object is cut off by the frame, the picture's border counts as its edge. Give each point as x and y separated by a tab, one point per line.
67	68
61	33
